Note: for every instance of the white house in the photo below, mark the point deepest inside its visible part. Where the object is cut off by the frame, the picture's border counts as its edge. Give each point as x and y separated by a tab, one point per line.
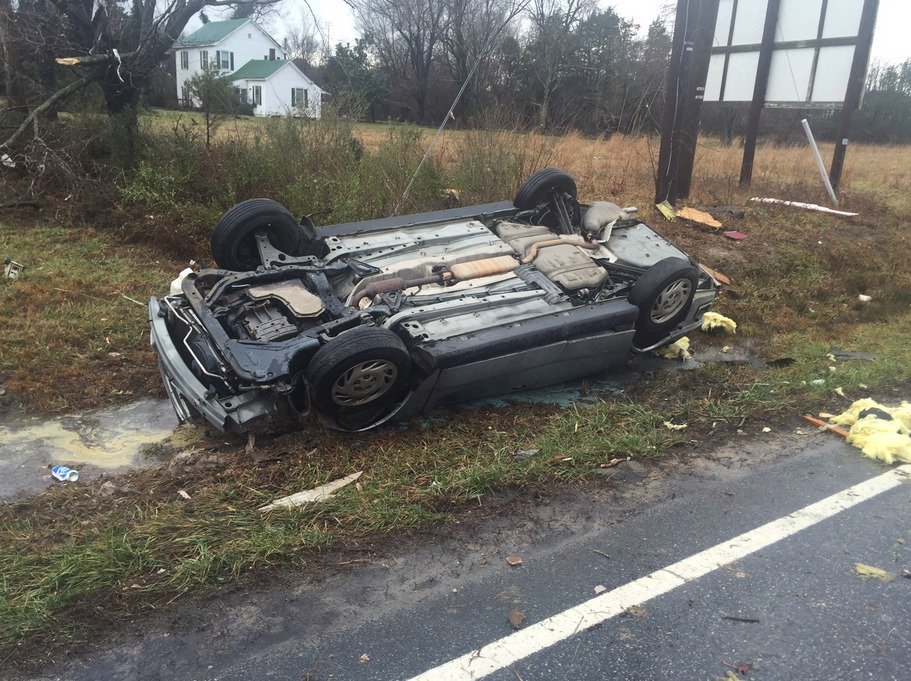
256	63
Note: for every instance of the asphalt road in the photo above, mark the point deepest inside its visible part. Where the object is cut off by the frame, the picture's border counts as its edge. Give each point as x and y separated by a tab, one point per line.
794	609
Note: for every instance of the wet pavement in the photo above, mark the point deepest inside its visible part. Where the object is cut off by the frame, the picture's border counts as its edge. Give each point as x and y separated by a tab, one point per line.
94	443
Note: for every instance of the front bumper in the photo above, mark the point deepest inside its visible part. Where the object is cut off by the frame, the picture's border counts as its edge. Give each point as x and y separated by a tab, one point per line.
191	399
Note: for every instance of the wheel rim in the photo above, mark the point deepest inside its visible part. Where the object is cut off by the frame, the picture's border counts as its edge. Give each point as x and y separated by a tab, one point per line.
670	301
364	382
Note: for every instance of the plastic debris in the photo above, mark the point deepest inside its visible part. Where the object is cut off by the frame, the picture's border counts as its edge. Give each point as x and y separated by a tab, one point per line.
766	430
839	390
600	589
866	571
880	432
321	493
675	426
807	206
364	658
712	321
184	494
699	216
64	474
735	235
514	560
679	349
864	298
12	269
818	382
666	209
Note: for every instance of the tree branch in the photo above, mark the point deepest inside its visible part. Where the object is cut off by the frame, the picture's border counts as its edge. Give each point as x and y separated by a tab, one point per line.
63	93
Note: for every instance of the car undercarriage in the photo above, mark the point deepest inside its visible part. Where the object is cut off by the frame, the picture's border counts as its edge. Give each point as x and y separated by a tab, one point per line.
380	320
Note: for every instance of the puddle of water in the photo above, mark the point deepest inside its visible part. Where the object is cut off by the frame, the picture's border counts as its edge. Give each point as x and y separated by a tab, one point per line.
110	440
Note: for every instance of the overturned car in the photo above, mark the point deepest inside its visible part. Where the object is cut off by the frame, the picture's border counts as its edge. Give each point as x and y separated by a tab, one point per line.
374	321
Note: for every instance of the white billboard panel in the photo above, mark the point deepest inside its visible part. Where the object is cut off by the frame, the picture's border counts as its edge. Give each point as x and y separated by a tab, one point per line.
811	57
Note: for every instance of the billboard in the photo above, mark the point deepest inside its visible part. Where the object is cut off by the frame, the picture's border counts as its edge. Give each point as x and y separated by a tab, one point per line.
811	53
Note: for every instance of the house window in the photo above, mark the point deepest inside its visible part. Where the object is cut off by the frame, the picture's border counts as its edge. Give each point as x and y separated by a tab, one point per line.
271	54
299	97
257	95
241	93
184	60
204	59
225	60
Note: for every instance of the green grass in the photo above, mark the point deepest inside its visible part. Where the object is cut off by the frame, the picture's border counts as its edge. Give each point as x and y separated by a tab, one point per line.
71	338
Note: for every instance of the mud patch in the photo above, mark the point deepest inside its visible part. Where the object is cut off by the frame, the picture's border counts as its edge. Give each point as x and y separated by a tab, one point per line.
107	441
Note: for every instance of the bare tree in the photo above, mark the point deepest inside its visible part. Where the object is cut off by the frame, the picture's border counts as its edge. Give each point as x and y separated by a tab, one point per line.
304	42
553	23
407	35
117	49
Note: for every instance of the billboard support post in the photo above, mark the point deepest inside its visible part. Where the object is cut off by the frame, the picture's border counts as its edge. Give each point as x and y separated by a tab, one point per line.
855	89
819	164
686	76
759	92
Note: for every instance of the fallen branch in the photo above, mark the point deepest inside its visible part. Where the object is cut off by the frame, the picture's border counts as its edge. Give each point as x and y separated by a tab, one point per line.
63	93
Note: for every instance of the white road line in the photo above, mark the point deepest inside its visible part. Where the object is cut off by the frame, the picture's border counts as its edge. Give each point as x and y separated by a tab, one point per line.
504	652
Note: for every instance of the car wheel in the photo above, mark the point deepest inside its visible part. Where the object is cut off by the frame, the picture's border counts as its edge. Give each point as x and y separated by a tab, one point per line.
663	295
234	241
359	375
537	188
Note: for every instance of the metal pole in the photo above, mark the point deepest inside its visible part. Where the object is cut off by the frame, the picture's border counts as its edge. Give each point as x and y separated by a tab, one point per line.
819	164
759	91
855	88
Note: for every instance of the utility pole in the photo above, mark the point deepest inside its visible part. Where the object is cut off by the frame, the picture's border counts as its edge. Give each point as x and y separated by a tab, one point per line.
759	92
694	29
855	89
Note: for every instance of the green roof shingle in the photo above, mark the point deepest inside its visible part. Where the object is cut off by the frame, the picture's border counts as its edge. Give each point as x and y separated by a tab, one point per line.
211	33
258	69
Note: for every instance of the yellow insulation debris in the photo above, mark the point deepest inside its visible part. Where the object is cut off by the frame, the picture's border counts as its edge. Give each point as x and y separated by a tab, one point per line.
712	321
866	571
878	438
679	349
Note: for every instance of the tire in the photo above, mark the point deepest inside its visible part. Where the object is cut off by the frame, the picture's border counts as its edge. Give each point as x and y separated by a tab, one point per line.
663	295
359	376
536	188
233	239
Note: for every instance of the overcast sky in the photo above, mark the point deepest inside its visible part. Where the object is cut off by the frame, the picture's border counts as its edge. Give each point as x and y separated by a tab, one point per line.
891	43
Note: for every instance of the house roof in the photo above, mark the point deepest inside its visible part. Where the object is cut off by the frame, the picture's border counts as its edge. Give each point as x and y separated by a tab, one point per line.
258	69
210	33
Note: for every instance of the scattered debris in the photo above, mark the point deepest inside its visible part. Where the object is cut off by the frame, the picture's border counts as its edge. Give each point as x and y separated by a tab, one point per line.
184	494
525	453
666	209
822	425
807	206
635	611
7	161
514	560
844	355
516	619
699	216
12	269
679	349
867	571
818	382
840	391
600	589
864	298
735	235
64	474
781	362
726	349
717	276
675	426
745	620
321	493
880	432
194	460
601	553
712	321
107	489
766	429
364	658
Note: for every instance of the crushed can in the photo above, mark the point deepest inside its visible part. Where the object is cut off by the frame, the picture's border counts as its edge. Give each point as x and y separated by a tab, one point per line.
64	474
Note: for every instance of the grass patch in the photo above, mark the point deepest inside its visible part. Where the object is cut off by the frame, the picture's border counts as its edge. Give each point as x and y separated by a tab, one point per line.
71	339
